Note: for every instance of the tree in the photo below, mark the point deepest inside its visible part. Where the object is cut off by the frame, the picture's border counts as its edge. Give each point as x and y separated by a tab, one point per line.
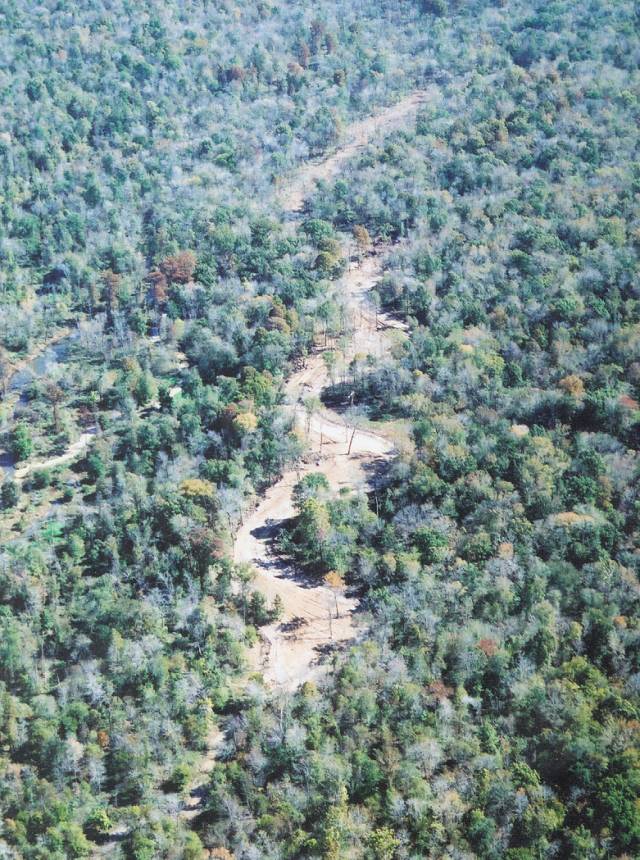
9	494
98	823
313	528
21	442
179	268
311	406
68	838
179	778
573	385
312	486
362	237
193	848
55	396
204	548
277	610
618	809
431	544
111	284
159	285
383	843
146	388
330	359
334	830
96	462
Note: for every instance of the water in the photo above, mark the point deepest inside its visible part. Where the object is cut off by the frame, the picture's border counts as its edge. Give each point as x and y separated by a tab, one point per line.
44	363
41	365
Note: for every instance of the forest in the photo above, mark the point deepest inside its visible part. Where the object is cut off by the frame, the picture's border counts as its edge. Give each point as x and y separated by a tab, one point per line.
319	430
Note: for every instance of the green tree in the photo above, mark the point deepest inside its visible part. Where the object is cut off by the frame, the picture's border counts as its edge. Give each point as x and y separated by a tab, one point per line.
9	494
21	442
383	843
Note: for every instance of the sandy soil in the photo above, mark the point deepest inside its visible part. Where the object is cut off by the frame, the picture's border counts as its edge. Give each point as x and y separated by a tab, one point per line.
317	619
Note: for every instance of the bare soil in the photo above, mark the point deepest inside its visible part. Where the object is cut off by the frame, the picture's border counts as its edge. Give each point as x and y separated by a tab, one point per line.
317	619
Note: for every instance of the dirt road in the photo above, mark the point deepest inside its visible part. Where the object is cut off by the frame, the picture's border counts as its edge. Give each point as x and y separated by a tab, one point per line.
73	452
317	618
357	135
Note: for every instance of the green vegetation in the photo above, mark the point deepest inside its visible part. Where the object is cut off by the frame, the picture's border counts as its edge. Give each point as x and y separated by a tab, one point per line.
153	300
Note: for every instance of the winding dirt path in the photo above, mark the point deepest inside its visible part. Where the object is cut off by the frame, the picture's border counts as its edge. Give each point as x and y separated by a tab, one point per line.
317	619
73	452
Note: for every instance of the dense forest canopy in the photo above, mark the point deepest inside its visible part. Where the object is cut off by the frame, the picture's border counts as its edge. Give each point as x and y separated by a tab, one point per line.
158	292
